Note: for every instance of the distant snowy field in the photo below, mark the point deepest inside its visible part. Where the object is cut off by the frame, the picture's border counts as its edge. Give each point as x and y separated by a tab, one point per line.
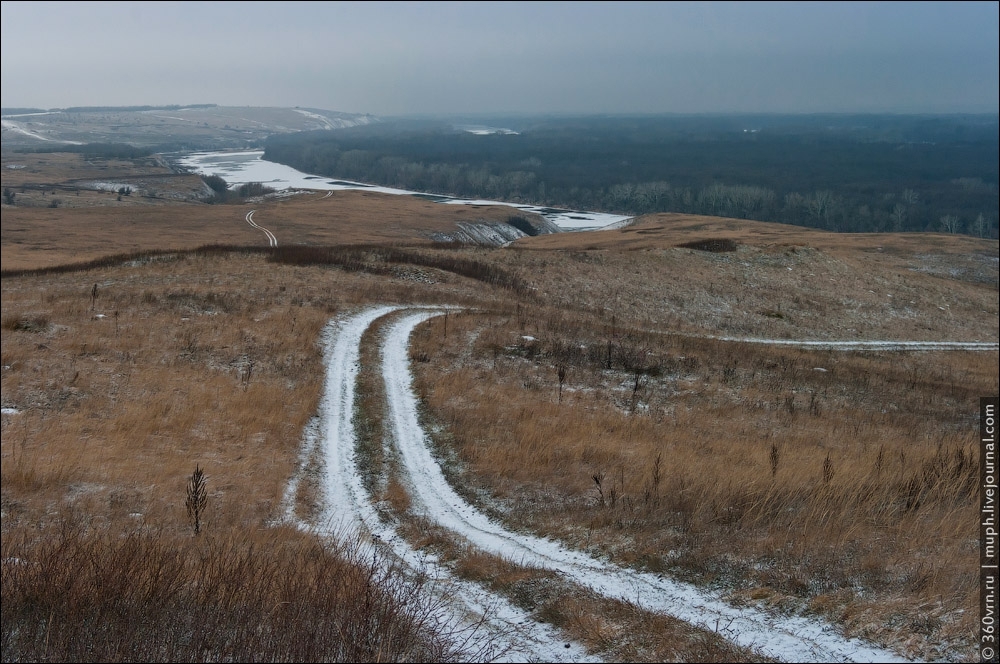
483	130
10	125
238	168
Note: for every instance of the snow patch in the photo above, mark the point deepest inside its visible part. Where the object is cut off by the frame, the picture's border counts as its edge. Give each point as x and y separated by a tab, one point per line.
869	345
108	186
13	126
483	130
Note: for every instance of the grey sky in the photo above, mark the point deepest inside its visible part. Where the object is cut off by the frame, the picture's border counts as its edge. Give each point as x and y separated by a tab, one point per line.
436	57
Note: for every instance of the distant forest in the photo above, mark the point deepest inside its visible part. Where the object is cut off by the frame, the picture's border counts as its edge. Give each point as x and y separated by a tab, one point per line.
847	173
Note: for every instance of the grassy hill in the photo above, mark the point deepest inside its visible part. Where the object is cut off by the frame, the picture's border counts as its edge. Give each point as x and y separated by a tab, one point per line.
577	394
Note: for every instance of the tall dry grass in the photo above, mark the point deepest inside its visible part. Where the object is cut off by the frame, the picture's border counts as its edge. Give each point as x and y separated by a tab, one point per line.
843	492
842	291
86	595
207	359
842	484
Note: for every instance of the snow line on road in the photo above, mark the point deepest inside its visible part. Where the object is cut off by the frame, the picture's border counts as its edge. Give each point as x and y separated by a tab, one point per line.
795	639
493	629
867	345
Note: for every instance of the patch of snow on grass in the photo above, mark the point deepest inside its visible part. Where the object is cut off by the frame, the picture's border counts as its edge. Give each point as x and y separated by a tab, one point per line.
109	186
13	126
315	116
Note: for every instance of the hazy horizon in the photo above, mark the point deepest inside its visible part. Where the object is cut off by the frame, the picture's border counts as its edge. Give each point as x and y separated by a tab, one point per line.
514	58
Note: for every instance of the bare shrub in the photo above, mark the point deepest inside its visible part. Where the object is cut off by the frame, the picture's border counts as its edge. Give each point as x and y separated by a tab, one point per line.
197	498
85	595
30	323
715	245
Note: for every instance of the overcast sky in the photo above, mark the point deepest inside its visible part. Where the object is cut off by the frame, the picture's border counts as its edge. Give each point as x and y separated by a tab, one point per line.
398	58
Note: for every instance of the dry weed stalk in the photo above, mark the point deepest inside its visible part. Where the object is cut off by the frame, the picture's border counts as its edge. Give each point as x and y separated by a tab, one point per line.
197	498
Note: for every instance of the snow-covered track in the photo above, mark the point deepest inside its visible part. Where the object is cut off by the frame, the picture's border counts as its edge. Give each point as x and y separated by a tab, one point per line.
499	631
494	629
272	241
786	638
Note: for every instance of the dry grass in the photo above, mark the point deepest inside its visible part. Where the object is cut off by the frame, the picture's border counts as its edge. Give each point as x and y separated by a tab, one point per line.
88	224
166	368
29	169
73	181
940	293
42	237
204	359
849	492
146	595
828	483
670	229
616	630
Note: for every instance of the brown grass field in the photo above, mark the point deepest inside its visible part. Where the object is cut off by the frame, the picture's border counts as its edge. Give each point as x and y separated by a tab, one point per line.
833	484
95	224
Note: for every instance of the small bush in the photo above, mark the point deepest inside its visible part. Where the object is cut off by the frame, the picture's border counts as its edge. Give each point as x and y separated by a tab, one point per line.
717	246
20	323
215	183
523	225
253	189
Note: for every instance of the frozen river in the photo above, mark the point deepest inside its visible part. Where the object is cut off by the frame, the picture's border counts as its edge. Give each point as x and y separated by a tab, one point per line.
238	168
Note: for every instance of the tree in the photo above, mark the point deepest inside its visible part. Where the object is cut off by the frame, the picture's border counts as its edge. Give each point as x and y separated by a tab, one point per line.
949	223
898	216
251	189
979	226
215	183
821	206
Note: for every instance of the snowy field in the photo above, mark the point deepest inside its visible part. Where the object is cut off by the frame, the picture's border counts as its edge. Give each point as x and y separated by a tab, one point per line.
10	125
